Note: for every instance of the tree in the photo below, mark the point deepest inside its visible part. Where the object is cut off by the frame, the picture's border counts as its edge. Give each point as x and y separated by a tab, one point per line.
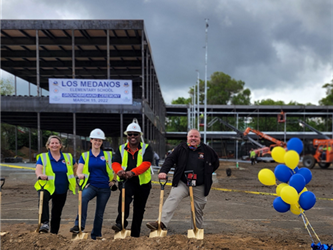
225	90
328	100
6	87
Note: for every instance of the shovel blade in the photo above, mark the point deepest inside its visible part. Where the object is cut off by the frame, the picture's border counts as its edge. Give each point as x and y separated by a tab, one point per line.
122	234
197	234
158	233
80	236
3	233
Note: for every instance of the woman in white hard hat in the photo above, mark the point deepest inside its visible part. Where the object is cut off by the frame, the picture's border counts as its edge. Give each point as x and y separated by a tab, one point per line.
55	170
95	170
132	161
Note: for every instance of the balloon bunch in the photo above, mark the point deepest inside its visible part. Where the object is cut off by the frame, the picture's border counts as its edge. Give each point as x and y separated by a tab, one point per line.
292	195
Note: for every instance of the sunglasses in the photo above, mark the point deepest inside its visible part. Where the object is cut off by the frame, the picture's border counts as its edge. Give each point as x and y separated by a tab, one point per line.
134	134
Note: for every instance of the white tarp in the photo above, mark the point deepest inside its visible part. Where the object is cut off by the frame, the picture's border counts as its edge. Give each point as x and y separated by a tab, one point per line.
90	91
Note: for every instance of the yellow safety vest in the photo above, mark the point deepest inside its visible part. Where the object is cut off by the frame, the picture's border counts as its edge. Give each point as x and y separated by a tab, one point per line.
145	177
108	161
47	170
253	154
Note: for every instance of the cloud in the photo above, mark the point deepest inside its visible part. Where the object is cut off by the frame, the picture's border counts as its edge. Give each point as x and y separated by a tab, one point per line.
273	46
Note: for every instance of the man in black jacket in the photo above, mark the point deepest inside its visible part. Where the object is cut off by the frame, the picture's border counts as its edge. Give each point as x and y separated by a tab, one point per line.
191	156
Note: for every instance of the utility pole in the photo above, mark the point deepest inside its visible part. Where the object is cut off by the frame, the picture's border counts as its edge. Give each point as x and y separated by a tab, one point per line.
198	114
205	113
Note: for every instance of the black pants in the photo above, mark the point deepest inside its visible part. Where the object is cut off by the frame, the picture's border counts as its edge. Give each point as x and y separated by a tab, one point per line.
58	202
253	161
140	195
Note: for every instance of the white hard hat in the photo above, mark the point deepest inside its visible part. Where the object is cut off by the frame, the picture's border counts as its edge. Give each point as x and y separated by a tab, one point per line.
133	127
97	134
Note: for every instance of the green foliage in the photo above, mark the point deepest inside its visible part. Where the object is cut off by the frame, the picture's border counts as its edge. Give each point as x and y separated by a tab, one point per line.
8	137
225	90
6	87
177	123
269	102
328	100
181	100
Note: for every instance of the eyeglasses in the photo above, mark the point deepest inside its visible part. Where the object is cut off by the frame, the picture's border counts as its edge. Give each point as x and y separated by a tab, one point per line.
134	134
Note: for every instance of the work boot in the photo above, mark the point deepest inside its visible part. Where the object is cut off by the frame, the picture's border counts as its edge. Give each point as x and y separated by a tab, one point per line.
154	225
75	229
44	228
117	228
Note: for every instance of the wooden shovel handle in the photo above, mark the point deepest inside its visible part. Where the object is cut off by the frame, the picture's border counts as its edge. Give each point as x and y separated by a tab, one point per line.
192	207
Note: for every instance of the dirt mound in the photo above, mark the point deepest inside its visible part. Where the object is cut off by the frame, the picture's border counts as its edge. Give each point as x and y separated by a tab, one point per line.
22	237
7	153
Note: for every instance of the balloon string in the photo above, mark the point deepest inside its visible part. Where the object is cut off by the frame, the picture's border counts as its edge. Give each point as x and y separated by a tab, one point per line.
312	228
306	227
307	223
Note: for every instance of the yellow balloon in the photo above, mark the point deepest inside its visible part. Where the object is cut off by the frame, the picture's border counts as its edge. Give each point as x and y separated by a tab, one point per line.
289	195
296	209
304	190
278	154
291	159
266	177
279	188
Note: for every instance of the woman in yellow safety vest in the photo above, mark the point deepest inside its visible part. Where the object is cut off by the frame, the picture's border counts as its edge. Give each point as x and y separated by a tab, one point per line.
95	170
55	170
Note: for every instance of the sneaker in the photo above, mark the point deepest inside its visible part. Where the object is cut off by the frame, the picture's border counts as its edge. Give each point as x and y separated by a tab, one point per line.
117	228
154	225
44	228
75	229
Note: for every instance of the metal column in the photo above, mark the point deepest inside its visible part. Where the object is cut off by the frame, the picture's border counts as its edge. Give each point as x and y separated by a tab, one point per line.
143	78
74	135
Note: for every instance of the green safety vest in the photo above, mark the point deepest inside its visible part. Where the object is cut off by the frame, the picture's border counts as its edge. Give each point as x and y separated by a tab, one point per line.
252	154
47	170
108	160
145	177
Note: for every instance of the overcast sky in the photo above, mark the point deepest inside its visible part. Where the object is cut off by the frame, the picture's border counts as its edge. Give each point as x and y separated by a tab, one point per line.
282	50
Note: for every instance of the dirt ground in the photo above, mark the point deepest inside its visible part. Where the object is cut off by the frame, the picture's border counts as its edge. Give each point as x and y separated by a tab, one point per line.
238	215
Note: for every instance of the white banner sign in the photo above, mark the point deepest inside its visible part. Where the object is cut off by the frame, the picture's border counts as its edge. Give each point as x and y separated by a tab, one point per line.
90	91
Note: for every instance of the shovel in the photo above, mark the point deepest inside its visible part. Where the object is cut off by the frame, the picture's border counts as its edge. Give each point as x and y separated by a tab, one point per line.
2	183
123	233
159	232
41	198
81	235
195	232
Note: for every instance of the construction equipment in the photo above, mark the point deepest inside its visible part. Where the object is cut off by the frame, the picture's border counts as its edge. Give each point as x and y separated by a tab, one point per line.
81	235
159	232
41	199
195	232
323	154
2	180
261	151
123	233
267	137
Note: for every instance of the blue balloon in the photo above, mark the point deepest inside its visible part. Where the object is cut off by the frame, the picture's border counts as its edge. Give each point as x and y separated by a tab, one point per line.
306	174
295	144
280	206
296	170
297	181
307	200
282	173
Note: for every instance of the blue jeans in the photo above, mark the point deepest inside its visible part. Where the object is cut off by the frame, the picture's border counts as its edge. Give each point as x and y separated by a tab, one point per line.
103	195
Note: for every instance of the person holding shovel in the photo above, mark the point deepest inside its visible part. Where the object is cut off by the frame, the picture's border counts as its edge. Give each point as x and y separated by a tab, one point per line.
56	170
132	161
194	156
96	173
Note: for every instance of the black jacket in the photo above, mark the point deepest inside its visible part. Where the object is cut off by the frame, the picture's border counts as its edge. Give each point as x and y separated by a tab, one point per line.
179	157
